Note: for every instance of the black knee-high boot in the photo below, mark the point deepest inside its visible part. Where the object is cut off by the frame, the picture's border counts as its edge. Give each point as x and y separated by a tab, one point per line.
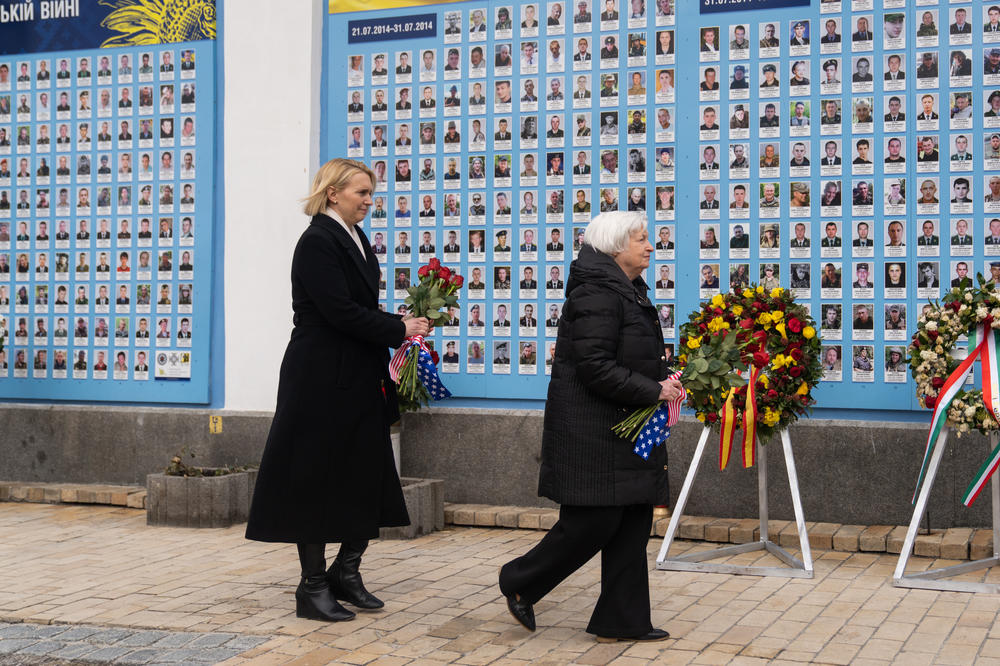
345	579
313	599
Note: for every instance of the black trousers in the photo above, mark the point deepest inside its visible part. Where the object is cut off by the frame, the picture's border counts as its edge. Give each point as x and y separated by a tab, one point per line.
620	534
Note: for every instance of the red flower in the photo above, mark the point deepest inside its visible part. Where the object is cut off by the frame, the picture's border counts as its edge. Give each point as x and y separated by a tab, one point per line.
711	417
444	272
772	394
434	355
933	335
930	401
761	337
746	323
423	271
434	264
761	358
457	280
795	371
937	382
794	325
796	353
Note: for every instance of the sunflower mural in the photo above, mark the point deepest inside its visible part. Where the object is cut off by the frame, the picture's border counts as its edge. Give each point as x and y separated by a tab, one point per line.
143	22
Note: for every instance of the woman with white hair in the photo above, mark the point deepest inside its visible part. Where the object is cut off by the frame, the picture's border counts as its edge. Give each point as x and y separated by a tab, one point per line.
609	360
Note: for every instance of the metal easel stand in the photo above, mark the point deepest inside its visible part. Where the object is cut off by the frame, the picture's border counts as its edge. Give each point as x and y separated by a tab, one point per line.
931	579
696	561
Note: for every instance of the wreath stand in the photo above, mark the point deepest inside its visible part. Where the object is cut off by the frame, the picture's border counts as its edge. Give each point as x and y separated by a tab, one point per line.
696	561
931	578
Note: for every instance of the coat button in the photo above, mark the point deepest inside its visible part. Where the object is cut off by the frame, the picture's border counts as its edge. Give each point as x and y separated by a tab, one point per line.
663	358
664	468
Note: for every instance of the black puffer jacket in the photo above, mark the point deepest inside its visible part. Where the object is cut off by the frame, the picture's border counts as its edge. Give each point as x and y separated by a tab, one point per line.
608	361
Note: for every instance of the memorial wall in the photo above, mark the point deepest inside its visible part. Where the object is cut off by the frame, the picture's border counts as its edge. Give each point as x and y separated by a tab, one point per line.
107	201
848	151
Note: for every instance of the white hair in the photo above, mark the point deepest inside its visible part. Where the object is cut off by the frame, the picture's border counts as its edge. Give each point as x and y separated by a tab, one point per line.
610	232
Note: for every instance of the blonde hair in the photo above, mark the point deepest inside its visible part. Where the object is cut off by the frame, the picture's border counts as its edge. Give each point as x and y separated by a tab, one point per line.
335	173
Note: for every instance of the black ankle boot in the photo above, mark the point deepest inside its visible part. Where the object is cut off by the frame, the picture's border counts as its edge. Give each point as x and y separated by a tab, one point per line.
313	599
345	579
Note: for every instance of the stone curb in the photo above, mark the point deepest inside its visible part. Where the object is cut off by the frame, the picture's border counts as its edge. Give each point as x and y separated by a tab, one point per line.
956	543
133	497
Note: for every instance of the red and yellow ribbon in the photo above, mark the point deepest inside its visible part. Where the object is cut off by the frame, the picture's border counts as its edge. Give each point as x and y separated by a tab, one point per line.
728	424
727	428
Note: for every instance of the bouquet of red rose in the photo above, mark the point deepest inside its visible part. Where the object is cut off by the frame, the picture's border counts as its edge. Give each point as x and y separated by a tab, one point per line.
414	365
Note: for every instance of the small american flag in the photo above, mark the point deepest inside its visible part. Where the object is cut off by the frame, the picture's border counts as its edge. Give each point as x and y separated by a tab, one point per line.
656	429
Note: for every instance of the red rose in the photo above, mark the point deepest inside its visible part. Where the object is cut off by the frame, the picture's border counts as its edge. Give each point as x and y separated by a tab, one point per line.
955	305
933	335
794	325
444	272
795	371
930	401
937	382
434	264
457	280
435	357
757	305
796	353
746	323
761	337
772	394
779	305
761	358
711	417
423	271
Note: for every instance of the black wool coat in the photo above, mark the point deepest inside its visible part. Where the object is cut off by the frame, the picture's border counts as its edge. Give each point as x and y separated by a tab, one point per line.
327	473
609	360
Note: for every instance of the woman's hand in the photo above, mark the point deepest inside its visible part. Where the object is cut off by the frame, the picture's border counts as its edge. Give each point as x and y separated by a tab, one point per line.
416	325
670	389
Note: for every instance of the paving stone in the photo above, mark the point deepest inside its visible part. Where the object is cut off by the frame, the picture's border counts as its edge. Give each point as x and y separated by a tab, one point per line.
78	633
109	636
821	535
928	545
789	536
108	653
846	538
210	640
73	650
955	543
743	530
693	527
981	545
143	638
142	656
8	645
42	648
894	540
244	643
718	530
873	539
18	631
175	640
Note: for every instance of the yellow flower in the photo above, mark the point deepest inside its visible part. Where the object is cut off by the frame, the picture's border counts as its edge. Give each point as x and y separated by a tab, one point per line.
777	292
771	416
764	380
809	332
694	343
717	324
747	293
683	358
780	328
701	416
737	310
760	289
764	319
803	389
719	301
777	315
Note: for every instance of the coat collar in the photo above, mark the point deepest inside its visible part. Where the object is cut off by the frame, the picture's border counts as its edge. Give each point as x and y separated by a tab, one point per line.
368	269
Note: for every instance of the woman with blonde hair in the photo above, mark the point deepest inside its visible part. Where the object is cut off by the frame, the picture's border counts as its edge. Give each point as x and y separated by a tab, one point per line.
327	474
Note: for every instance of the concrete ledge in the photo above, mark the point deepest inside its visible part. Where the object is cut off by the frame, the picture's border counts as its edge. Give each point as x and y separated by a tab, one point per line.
199	501
958	543
73	493
425	504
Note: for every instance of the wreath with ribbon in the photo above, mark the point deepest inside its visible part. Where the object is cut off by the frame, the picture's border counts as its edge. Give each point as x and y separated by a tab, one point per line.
781	351
973	313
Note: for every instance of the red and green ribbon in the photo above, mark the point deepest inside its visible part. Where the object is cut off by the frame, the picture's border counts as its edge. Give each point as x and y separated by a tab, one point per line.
983	343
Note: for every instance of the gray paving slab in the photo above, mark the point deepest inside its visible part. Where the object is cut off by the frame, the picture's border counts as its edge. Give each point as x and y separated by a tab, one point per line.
9	645
18	631
211	640
143	656
42	648
106	654
110	636
244	643
176	639
143	638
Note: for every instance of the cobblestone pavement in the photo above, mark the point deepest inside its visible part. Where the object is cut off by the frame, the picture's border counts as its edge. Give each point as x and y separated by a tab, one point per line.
98	580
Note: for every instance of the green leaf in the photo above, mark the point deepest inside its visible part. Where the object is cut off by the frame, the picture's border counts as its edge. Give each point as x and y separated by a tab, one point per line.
434	314
715	365
700	365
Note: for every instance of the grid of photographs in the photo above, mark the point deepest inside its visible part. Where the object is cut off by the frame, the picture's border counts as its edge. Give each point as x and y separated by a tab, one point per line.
494	148
852	155
100	206
849	142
